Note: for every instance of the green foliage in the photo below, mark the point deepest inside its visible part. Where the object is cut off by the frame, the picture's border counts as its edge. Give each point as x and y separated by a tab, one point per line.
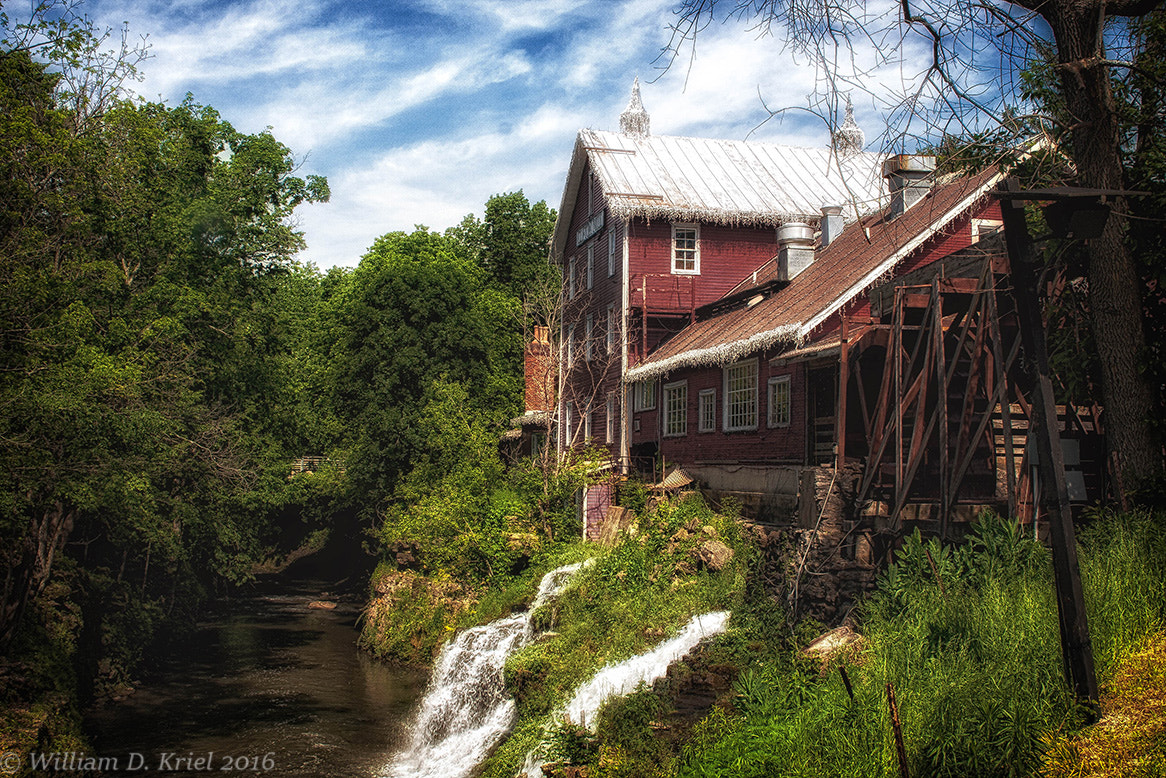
975	663
632	597
415	313
1123	562
511	243
151	343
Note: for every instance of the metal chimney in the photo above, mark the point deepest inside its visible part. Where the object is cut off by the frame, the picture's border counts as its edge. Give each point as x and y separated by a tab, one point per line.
831	223
795	249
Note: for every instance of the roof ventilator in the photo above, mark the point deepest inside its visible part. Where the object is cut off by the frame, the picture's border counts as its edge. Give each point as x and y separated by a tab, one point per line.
795	249
909	178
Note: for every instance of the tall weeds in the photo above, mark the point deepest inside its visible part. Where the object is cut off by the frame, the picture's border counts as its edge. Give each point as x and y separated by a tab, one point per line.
969	642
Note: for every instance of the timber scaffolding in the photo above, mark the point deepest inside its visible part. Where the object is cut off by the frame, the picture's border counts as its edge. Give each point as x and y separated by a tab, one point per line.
933	423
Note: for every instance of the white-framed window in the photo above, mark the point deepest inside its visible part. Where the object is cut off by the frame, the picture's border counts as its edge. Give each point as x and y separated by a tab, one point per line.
571	278
537	441
645	395
609	437
568	412
982	228
610	253
590	265
741	396
570	345
587	426
588	337
779	401
706	410
676	409
611	328
686	248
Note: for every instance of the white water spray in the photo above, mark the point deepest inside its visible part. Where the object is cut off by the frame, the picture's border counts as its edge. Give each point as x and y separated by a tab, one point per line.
465	711
623	678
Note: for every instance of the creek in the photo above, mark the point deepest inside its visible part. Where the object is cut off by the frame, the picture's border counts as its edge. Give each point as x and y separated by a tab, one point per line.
265	676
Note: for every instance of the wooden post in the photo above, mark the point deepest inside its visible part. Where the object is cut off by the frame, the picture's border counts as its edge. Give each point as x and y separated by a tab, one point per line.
843	381
1075	644
941	402
900	748
897	340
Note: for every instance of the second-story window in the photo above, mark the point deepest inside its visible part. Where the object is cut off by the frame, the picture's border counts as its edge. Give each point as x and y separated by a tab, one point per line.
686	248
610	253
588	337
571	278
611	328
590	265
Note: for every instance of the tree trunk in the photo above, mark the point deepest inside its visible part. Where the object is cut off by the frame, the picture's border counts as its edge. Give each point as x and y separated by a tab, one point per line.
1115	300
29	568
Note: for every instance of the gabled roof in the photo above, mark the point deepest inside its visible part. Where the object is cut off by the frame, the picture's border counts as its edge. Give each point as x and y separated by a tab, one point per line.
863	254
719	181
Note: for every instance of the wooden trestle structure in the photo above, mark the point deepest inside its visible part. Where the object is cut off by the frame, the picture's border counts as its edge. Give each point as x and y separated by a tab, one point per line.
936	411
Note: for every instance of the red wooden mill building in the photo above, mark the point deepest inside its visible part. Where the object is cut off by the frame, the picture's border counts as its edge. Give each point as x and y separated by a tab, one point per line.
797	328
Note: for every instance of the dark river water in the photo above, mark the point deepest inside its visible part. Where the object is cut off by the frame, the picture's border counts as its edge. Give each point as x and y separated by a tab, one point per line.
266	686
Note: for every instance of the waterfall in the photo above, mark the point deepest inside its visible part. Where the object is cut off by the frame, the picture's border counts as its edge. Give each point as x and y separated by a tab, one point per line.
620	679
465	711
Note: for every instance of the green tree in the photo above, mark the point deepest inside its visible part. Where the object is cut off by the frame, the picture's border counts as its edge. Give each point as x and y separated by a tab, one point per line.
510	243
414	312
136	349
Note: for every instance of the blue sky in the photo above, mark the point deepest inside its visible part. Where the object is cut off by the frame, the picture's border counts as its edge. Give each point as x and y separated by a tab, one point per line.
418	111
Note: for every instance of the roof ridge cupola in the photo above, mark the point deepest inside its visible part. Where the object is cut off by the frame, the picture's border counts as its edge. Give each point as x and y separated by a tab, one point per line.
849	138
635	120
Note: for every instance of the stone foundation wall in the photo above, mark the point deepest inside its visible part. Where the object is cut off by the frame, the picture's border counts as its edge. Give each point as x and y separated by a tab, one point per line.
820	567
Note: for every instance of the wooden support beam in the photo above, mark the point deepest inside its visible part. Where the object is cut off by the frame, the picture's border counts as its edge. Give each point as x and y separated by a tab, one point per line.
843	389
1005	405
941	410
1075	643
985	419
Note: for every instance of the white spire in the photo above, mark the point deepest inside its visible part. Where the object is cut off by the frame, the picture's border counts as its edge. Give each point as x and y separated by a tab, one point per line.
849	138
635	120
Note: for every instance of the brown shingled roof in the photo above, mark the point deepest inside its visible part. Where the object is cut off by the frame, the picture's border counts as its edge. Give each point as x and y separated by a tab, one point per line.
864	253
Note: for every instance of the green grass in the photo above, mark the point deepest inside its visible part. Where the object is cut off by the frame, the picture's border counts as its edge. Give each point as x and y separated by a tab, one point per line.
976	666
633	597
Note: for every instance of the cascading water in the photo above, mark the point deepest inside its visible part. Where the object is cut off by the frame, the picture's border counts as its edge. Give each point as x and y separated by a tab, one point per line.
623	678
465	711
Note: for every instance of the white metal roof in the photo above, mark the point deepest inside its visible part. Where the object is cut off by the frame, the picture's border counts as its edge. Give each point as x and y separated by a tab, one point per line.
728	181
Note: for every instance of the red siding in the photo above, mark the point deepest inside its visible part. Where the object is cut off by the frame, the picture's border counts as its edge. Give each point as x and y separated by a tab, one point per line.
776	445
587	383
727	255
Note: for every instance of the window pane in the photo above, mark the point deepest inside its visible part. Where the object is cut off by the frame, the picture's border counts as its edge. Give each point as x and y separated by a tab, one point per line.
676	409
779	402
741	396
684	248
708	410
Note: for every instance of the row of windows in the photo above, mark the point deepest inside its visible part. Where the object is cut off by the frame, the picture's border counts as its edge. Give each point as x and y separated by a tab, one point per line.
589	338
589	268
570	431
740	388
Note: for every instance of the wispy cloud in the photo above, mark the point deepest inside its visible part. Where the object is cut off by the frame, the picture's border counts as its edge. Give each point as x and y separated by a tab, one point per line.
419	110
